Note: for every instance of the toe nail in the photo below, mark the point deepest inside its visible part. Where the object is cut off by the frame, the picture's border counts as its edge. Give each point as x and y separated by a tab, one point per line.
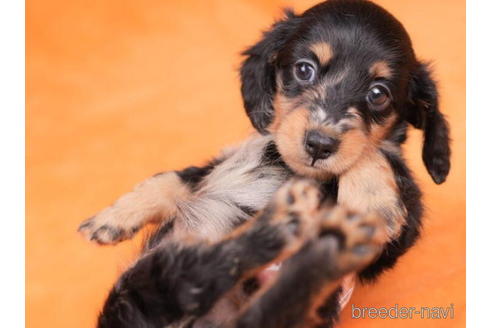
84	225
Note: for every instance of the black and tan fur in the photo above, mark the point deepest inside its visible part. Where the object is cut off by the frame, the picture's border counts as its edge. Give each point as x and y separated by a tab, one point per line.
331	93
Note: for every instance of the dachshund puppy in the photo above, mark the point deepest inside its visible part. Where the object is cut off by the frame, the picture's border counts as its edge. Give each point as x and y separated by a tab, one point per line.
331	93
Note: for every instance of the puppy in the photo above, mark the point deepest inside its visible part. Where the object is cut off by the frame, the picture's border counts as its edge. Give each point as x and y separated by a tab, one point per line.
331	93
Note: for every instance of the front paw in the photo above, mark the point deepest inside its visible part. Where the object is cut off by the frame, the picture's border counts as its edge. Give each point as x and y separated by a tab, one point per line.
359	238
108	227
295	208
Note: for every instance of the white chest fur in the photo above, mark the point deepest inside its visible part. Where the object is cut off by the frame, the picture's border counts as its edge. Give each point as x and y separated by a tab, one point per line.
240	181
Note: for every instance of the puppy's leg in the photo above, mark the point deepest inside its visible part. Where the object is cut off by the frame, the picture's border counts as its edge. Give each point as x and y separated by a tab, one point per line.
176	281
308	279
152	200
409	196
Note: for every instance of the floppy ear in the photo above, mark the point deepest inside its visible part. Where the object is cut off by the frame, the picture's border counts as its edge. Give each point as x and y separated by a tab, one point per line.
424	114
258	72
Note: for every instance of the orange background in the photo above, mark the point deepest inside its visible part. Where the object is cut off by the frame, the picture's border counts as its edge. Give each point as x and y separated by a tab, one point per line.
119	90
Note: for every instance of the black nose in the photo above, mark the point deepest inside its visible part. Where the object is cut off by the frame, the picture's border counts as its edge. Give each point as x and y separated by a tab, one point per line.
319	145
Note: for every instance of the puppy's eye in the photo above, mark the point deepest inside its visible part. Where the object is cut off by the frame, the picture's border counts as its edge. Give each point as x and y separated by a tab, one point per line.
304	71
379	96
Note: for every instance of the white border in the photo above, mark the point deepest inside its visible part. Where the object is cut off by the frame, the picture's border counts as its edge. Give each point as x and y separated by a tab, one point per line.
12	136
479	163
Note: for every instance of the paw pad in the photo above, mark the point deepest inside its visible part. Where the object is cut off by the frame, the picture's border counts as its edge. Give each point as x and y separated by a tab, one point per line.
95	229
360	237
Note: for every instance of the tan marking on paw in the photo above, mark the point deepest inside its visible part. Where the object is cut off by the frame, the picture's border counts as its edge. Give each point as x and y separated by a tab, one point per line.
298	195
296	206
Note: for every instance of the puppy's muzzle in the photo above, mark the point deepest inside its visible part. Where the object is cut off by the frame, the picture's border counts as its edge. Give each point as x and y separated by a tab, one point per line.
319	145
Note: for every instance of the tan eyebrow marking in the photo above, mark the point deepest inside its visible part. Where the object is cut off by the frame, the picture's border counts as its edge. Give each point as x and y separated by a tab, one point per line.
380	69
323	51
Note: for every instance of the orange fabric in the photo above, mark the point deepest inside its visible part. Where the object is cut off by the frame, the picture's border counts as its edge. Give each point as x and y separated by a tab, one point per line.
118	90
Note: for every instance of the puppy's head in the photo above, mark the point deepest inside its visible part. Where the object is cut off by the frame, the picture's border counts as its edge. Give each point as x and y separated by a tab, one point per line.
337	80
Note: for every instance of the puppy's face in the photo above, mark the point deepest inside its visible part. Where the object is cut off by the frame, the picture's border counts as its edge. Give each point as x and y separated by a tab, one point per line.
335	82
337	88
